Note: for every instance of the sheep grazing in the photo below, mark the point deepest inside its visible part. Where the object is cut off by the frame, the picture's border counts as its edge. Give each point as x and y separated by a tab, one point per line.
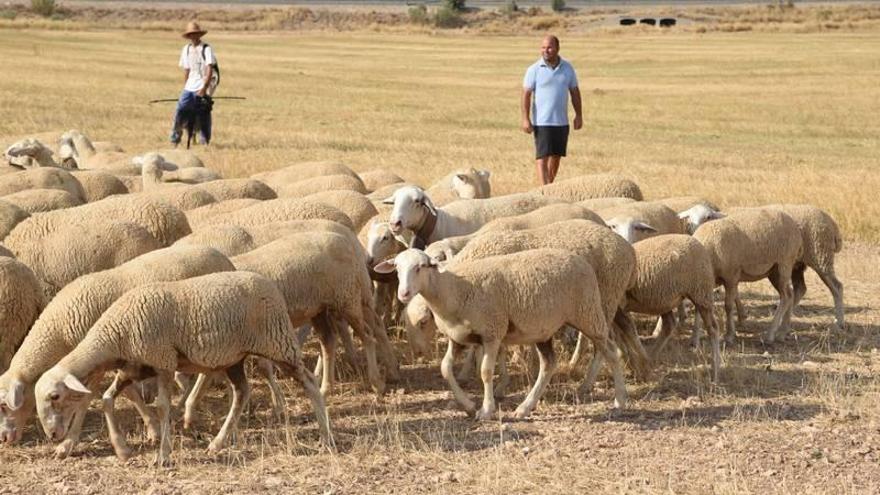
21	301
198	216
10	216
355	205
303	170
41	200
592	186
637	221
68	318
467	183
31	152
320	274
41	178
161	220
671	268
98	184
202	324
228	189
748	246
279	210
233	240
380	177
307	187
414	211
517	299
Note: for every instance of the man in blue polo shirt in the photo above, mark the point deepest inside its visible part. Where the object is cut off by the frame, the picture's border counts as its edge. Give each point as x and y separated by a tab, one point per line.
546	87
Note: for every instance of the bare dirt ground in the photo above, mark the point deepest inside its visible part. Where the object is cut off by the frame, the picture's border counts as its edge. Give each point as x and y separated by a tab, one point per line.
800	418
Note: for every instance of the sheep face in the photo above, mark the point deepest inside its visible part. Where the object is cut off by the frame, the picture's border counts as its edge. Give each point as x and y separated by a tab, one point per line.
25	152
440	250
411	206
420	327
630	229
382	242
697	215
471	184
414	269
16	406
58	394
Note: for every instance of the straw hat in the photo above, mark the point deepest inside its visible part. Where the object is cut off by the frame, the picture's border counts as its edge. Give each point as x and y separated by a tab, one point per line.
193	28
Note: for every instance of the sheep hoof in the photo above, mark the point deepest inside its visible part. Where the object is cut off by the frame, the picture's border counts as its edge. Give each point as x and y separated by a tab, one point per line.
484	415
214	447
123	454
64	449
521	413
162	461
153	432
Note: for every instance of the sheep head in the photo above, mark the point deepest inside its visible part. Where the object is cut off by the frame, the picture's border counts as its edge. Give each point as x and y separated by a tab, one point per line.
414	269
16	407
471	183
411	207
697	215
631	229
382	242
420	327
58	395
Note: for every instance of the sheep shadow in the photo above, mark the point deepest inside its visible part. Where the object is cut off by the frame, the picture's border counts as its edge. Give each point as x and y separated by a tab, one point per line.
708	416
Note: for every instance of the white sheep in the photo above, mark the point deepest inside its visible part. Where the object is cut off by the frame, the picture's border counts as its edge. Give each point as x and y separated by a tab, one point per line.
74	145
68	318
279	210
355	205
31	152
641	220
306	187
10	216
749	246
206	323
233	240
198	216
599	203
155	172
41	200
414	211
228	189
21	301
41	178
303	170
173	158
466	183
380	177
517	299
98	184
592	186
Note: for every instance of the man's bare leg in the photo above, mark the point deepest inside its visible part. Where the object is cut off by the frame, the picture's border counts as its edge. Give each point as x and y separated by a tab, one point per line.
541	166
553	166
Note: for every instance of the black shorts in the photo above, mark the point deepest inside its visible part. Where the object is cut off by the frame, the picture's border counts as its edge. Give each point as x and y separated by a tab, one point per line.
550	140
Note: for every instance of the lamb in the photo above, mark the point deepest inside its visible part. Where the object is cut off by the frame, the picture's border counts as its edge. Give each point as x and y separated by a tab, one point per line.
592	186
445	249
41	178
749	246
98	184
41	200
75	250
207	323
198	216
414	211
21	301
303	170
155	171
10	216
227	189
282	209
637	221
468	183
319	274
306	187
162	221
355	205
68	318
521	299
232	240
380	177
670	268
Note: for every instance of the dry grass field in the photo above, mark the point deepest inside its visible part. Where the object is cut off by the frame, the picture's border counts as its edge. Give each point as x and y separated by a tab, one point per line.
743	118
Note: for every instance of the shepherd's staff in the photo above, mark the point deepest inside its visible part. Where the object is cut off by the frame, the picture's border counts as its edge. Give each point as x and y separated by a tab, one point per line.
213	98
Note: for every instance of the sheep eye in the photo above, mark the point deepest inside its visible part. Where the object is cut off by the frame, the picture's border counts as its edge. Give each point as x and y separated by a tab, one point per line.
54	396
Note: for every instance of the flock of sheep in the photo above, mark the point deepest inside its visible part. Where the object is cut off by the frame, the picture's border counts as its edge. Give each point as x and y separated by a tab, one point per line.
157	268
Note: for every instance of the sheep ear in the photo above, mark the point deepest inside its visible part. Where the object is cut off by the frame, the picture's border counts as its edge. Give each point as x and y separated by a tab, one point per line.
387	266
389	200
484	173
430	205
74	384
15	395
643	227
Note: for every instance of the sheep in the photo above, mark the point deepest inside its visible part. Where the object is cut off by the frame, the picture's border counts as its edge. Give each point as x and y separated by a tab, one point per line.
303	170
355	205
198	216
376	178
522	298
162	221
10	216
155	171
132	183
6	252
98	184
75	146
232	240
227	189
682	203
282	209
600	203
670	268
612	258
174	159
414	211
592	186
306	187
30	152
68	318
184	198
41	178
637	221
21	301
41	200
383	192
319	273
380	243
207	323
445	249
71	251
468	183
749	246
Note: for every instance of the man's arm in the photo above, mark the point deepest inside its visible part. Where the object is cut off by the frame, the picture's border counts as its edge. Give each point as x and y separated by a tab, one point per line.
526	109
576	103
185	75
208	75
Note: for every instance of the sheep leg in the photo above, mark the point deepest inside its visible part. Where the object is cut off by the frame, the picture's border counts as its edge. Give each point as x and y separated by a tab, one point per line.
730	296
578	351
448	372
548	366
798	283
267	368
72	438
639	360
302	333
384	347
472	355
712	327
609	353
163	406
487	374
108	401
151	424
741	314
836	287
240	395
190	404
592	373
780	279
293	365
185	383
668	321
503	376
352	355
373	375
326	331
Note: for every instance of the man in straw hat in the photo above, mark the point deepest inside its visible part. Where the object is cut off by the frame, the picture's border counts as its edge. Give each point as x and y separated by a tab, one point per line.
197	61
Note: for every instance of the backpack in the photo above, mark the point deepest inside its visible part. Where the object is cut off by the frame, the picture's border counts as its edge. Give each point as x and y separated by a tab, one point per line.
215	72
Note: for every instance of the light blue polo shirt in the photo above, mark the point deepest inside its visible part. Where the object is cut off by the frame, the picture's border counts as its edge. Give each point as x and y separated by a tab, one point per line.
550	91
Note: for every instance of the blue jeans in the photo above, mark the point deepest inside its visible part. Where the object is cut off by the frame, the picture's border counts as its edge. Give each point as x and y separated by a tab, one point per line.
191	110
